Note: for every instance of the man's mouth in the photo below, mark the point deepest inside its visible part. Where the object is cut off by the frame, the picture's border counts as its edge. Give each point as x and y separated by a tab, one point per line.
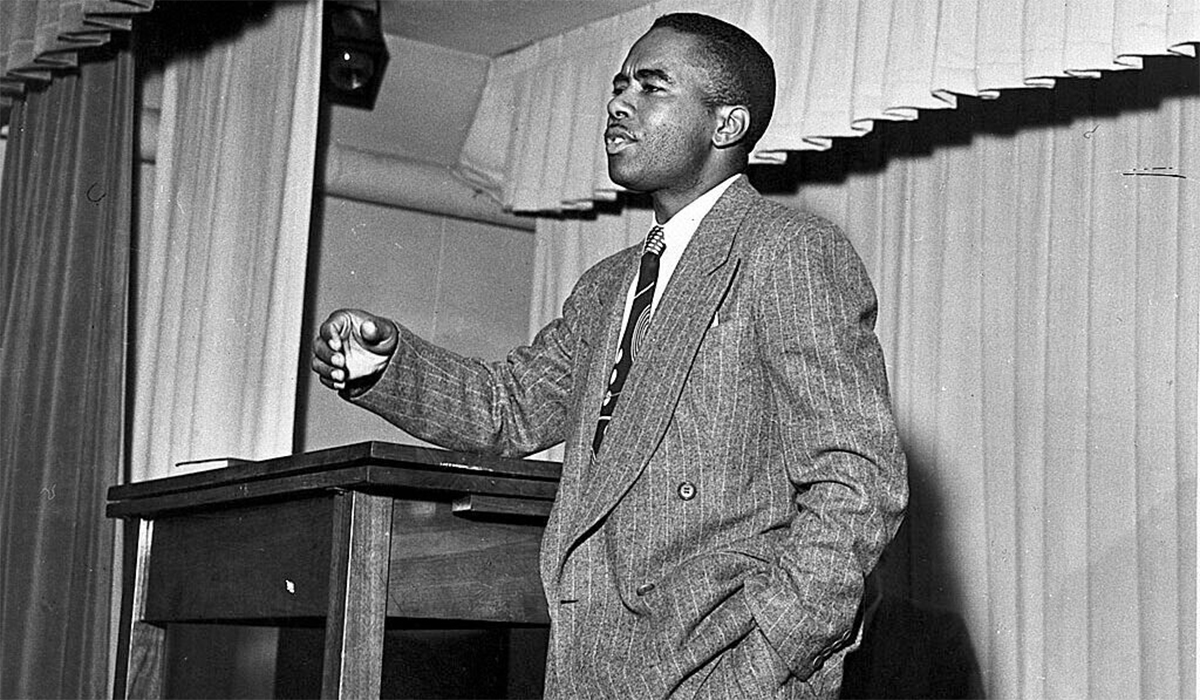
617	139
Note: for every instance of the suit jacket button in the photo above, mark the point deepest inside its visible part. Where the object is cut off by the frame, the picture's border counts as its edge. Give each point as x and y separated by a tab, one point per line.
645	588
687	490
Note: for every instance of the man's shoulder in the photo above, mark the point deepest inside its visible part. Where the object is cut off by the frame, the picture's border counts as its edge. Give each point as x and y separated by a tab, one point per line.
773	232
764	212
610	269
772	222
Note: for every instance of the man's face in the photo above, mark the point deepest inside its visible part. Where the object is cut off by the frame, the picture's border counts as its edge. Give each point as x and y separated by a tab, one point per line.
659	132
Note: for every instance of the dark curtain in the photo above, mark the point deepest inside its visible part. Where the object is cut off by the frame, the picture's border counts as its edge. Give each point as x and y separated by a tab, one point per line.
64	268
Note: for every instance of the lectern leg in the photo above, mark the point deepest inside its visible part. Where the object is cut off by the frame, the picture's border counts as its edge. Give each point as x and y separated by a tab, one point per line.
358	587
146	661
145	658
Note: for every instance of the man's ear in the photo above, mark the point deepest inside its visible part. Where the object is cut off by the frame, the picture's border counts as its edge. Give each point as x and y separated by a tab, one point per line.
733	123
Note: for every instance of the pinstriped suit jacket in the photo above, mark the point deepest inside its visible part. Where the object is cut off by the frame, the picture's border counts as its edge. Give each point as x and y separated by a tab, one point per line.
750	478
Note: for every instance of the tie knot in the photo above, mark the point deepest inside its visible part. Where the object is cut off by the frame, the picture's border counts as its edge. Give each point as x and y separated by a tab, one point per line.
654	242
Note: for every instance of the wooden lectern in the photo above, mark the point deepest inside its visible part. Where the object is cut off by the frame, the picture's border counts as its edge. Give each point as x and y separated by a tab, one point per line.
352	535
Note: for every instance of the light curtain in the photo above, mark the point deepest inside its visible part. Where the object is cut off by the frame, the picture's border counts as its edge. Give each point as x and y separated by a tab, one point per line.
39	38
1035	260
64	270
843	66
221	272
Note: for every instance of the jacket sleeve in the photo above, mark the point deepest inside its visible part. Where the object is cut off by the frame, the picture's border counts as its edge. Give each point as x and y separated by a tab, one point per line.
815	311
512	407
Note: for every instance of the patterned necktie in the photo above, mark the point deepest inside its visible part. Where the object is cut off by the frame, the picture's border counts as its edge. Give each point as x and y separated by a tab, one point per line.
635	330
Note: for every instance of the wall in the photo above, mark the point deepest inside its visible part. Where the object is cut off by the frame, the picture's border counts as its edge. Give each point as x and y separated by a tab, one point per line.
461	284
424	108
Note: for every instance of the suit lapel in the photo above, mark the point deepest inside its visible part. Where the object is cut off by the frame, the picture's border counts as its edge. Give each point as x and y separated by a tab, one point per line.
678	326
602	339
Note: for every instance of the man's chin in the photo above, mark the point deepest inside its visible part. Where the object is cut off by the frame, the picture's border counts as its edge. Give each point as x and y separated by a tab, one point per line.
623	179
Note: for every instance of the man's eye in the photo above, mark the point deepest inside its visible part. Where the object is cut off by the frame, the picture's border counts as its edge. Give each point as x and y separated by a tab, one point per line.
650	87
617	90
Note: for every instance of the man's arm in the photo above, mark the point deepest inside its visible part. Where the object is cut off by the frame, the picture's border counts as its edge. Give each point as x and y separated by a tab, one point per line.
815	317
513	407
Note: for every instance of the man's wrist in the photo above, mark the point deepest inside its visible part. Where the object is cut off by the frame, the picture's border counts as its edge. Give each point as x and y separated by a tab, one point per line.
357	387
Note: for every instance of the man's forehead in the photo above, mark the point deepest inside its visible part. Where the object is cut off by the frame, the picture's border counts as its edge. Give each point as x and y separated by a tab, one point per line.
661	51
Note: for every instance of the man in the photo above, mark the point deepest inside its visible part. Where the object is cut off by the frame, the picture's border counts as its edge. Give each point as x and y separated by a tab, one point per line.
732	469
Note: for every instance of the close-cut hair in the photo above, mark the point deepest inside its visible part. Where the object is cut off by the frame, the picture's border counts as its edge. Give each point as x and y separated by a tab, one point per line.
740	71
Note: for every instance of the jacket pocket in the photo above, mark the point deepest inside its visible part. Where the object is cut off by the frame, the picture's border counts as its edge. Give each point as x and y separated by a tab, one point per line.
698	609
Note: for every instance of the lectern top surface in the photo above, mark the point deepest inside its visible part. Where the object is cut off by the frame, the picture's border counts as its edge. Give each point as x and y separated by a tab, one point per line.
361	466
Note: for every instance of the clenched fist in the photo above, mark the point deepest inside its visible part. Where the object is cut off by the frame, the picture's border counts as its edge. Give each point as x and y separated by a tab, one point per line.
352	345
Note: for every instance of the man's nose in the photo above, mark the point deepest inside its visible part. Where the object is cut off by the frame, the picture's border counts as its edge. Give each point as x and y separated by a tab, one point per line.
618	107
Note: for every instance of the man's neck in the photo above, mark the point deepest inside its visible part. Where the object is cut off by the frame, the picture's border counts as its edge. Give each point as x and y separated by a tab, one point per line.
696	209
668	203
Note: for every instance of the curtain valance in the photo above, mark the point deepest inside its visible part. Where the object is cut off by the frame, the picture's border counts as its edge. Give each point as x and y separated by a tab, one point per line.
38	37
535	143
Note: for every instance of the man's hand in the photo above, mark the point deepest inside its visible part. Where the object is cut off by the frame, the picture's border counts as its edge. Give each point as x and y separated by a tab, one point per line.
352	344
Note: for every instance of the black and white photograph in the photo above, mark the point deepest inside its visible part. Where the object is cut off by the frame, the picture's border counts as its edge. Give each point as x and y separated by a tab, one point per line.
599	349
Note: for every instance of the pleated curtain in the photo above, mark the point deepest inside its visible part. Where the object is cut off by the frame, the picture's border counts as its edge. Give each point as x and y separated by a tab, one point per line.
843	66
41	38
1035	259
65	226
220	282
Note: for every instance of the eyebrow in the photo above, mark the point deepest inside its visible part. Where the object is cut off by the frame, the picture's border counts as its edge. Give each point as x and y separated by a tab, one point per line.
644	74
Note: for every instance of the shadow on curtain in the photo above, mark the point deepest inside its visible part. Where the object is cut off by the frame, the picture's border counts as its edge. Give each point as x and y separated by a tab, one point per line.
64	257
